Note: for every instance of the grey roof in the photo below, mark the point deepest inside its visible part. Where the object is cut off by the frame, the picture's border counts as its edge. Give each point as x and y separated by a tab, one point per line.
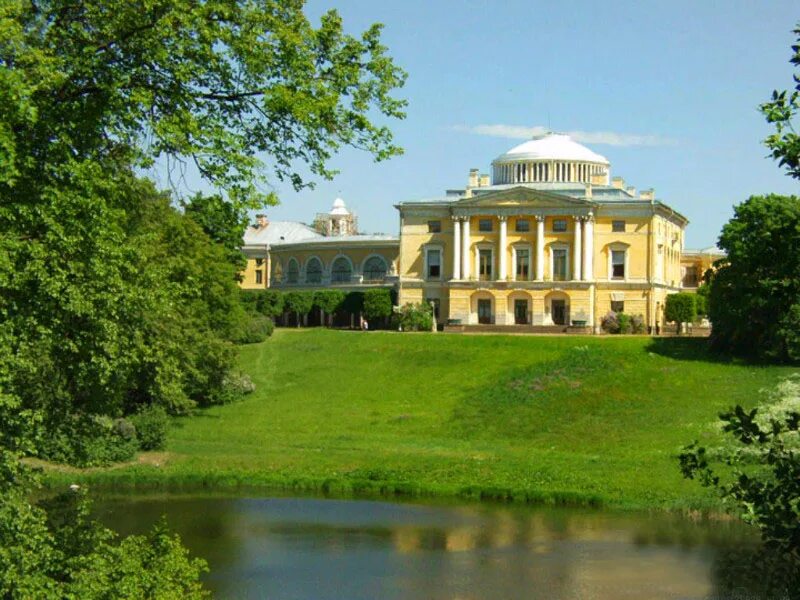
280	232
345	239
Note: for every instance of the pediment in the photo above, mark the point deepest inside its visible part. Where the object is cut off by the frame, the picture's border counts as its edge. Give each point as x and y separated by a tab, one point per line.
523	197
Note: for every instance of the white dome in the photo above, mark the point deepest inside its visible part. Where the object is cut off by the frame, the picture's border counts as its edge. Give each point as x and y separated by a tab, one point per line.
339	208
551	146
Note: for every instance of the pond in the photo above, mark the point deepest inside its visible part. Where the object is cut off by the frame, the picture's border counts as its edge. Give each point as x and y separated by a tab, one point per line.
296	548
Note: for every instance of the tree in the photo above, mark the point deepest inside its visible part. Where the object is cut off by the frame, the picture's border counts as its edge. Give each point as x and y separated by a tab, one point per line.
300	303
378	304
701	300
222	221
328	301
680	308
781	110
754	295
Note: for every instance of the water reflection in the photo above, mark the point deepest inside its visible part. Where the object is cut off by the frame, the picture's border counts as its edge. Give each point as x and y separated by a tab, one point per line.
312	548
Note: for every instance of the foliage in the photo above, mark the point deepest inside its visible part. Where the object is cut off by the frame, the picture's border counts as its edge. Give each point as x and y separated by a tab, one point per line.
781	110
328	301
89	440
54	550
754	296
680	308
353	302
255	329
299	302
701	299
267	302
624	323
637	324
610	322
759	474
151	424
223	222
413	317
377	303
613	322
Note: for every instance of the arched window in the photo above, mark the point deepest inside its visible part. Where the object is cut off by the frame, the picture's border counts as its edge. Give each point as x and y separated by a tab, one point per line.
341	271
293	271
314	271
277	271
374	269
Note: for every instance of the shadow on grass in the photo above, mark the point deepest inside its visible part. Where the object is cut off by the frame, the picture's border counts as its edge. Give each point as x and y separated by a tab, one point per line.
686	348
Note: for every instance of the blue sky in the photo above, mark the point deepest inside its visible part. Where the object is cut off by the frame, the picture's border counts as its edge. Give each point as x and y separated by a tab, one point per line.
685	78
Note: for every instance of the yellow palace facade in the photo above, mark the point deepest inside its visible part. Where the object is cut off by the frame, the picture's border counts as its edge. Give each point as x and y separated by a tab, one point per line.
548	242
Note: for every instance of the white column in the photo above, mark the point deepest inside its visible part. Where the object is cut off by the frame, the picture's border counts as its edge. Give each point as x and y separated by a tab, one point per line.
539	248
577	253
465	258
502	271
457	248
588	249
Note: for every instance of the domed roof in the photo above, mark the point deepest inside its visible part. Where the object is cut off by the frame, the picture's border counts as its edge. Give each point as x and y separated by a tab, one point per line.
552	146
339	208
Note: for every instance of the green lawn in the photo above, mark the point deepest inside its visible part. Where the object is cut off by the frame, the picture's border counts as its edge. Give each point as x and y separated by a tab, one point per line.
573	419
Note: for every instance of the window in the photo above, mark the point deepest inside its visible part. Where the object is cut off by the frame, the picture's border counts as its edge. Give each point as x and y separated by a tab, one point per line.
559	264
484	225
293	272
259	262
523	263
259	276
690	277
523	225
314	271
341	271
618	306
277	271
434	263
375	269
618	226
484	265
434	226
618	264
559	224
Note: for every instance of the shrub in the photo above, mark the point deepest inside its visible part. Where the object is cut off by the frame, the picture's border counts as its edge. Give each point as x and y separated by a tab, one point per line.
235	387
255	329
413	317
299	303
625	325
610	322
681	308
353	302
637	324
89	440
329	301
151	427
269	303
377	303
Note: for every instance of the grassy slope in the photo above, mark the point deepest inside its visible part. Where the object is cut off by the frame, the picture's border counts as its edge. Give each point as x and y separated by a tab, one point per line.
547	418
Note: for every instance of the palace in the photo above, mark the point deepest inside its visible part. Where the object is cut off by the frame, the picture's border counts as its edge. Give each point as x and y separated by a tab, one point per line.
550	242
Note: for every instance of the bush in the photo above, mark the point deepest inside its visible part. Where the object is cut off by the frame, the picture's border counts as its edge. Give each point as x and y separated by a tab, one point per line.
378	303
89	440
413	317
610	322
235	387
151	424
269	303
299	303
353	302
681	308
614	322
625	325
255	329
637	324
329	301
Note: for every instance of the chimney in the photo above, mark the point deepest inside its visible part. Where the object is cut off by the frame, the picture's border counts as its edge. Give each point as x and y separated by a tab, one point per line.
618	183
588	191
261	221
473	178
631	190
483	181
648	194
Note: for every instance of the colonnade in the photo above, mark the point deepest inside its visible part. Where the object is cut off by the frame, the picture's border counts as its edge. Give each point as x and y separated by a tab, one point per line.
582	249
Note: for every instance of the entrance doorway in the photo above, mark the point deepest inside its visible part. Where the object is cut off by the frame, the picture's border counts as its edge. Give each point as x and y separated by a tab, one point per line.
485	311
559	311
520	312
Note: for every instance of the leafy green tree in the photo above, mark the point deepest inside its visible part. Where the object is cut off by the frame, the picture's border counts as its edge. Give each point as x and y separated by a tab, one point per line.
328	301
754	295
781	111
222	221
701	301
377	304
680	308
300	303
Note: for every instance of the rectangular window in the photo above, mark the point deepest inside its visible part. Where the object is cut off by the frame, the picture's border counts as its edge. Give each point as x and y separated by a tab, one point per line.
259	276
523	225
485	265
618	226
434	226
484	225
434	264
559	264
618	264
559	224
617	306
259	262
523	263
